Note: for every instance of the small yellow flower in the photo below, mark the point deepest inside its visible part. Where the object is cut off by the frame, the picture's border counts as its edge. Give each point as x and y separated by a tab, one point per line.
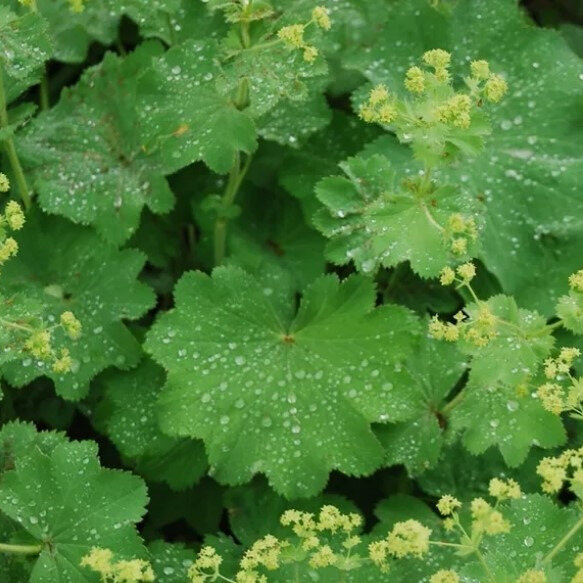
447	505
310	53
71	325
64	363
444	576
99	560
480	70
504	489
77	6
408	538
459	246
576	281
14	216
437	58
467	272
8	249
447	276
378	552
292	36
323	557
379	95
551	398
415	80
39	344
495	88
553	472
4	183
532	576
321	16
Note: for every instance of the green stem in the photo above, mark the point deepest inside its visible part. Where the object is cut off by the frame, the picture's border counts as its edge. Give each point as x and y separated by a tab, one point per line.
455	545
236	177
44	98
10	324
20	549
448	407
563	541
10	148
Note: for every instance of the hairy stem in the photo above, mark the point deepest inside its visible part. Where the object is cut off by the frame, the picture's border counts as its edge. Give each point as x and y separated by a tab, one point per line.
10	148
236	177
20	549
44	97
563	541
448	407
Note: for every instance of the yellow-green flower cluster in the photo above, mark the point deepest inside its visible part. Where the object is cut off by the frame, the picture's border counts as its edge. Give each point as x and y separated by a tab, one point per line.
415	80
71	325
447	505
456	111
532	576
77	6
13	220
576	281
445	576
205	566
293	34
264	553
408	538
122	571
487	519
380	107
565	468
504	489
460	231
578	561
439	60
4	183
553	396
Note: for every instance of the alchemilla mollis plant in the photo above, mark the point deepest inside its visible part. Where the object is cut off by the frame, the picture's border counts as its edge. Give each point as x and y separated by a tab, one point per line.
291	291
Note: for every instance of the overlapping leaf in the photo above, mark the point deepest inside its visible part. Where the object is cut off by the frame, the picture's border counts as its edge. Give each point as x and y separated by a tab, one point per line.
85	154
132	398
417	443
24	48
267	392
68	504
532	166
372	221
62	267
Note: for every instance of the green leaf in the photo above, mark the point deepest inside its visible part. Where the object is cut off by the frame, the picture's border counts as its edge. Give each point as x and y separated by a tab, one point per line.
274	73
537	526
107	178
530	172
292	122
516	352
170	562
68	503
498	415
133	427
570	310
372	221
289	397
434	370
62	267
24	48
272	235
320	155
185	116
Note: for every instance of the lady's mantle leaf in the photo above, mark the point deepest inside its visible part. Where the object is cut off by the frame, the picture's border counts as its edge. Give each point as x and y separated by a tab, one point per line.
434	370
24	47
185	116
530	172
133	427
371	220
68	503
86	156
292	397
62	267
